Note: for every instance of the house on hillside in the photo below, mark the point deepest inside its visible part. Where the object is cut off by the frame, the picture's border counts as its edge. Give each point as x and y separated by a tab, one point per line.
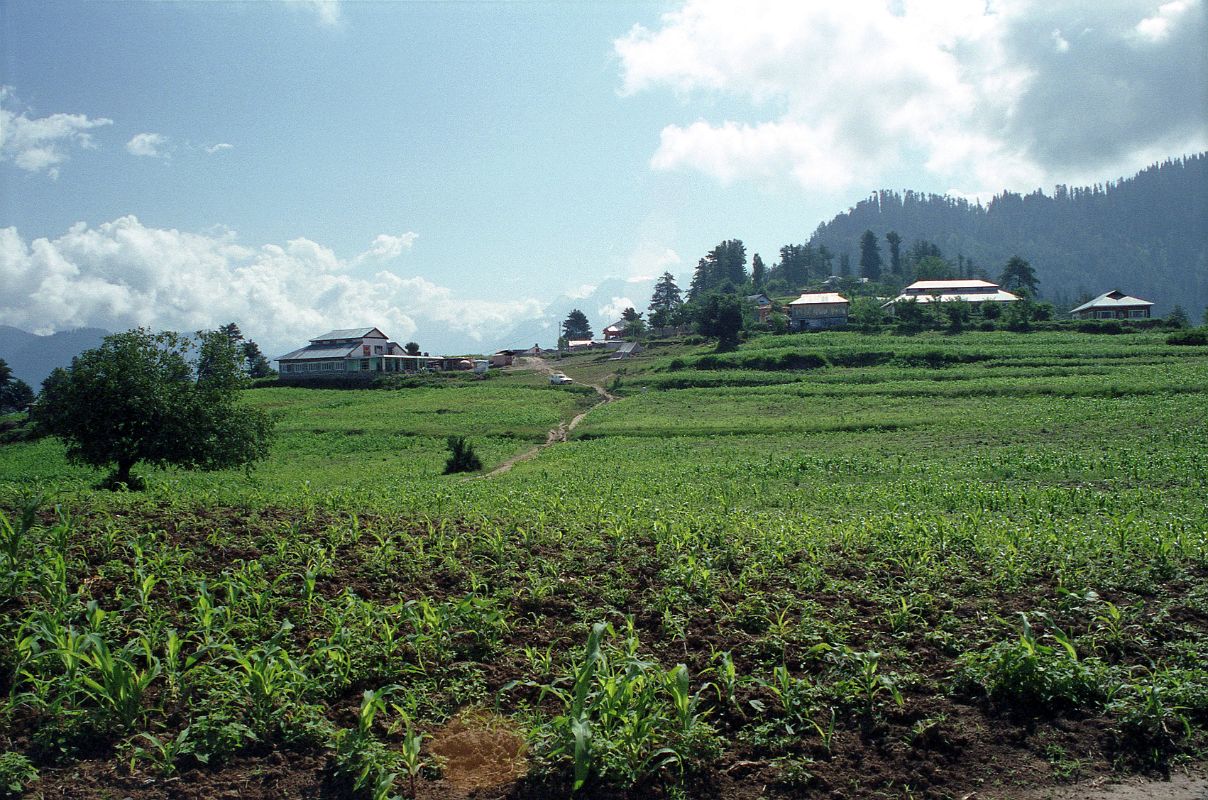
616	330
627	350
818	310
503	358
1113	305
763	305
350	353
947	291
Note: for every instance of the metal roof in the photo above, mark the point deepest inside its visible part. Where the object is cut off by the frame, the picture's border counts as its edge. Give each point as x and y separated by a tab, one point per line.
928	286
1112	299
319	351
818	298
999	296
347	333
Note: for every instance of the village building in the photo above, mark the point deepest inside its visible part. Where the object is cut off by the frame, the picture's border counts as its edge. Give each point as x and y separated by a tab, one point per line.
763	306
627	350
351	353
1113	305
616	330
815	311
503	358
969	291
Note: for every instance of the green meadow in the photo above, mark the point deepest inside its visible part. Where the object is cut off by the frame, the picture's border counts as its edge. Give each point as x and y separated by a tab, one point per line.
818	565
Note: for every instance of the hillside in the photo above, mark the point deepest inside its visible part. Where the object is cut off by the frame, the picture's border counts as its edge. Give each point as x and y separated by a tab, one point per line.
32	357
1146	235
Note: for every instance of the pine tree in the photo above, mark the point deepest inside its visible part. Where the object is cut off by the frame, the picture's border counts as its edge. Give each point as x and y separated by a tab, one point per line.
759	273
895	252
576	326
1018	276
666	301
870	256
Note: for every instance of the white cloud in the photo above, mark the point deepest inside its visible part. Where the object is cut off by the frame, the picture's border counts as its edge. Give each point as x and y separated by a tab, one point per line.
386	247
1001	94
217	148
1157	27
122	273
611	311
327	11
148	145
650	260
41	144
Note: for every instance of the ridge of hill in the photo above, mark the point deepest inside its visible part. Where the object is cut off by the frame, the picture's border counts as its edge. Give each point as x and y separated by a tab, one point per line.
1146	235
32	357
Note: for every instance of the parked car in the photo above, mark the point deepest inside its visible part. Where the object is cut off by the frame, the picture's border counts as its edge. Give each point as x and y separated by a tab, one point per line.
559	378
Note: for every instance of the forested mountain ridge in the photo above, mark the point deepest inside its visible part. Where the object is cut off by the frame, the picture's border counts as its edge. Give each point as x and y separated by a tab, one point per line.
1146	235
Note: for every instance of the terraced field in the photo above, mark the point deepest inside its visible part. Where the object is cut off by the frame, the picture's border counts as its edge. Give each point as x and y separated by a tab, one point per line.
818	566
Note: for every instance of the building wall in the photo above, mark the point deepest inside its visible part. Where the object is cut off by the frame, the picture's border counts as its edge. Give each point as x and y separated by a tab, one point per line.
1114	313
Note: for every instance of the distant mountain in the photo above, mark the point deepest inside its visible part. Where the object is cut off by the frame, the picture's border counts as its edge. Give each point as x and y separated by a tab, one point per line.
1146	235
32	357
602	304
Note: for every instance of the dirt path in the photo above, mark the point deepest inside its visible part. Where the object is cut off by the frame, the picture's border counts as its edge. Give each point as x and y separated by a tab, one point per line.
1188	785
558	434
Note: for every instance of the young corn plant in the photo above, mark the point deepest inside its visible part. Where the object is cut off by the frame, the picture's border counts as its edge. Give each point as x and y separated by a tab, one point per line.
1032	676
113	681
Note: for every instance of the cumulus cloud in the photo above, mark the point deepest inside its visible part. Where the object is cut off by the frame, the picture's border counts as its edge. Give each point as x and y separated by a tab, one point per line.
1002	94
122	274
41	144
148	145
611	310
649	260
386	247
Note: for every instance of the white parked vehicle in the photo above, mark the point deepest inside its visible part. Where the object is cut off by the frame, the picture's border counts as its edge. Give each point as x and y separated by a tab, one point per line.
559	378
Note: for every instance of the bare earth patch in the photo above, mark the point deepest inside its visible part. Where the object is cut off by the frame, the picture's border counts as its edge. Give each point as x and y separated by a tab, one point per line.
480	752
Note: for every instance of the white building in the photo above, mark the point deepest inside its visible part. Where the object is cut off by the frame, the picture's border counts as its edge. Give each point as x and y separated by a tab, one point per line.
350	353
969	291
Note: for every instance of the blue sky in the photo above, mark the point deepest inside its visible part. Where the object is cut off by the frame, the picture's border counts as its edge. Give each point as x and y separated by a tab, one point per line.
451	170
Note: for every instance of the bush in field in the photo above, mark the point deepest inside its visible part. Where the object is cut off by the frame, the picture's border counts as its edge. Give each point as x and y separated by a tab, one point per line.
139	397
1192	337
462	457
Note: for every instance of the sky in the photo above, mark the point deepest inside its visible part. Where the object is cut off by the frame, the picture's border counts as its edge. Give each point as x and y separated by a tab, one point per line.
461	173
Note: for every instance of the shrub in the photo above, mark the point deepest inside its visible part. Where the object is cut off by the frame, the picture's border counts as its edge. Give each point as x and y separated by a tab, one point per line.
462	457
1196	336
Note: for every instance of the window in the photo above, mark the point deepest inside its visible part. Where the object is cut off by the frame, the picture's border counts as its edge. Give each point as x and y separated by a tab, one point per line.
364	365
377	348
1136	312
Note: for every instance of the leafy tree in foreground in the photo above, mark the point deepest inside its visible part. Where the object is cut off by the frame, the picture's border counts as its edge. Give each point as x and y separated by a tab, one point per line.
576	326
15	393
138	398
1018	276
